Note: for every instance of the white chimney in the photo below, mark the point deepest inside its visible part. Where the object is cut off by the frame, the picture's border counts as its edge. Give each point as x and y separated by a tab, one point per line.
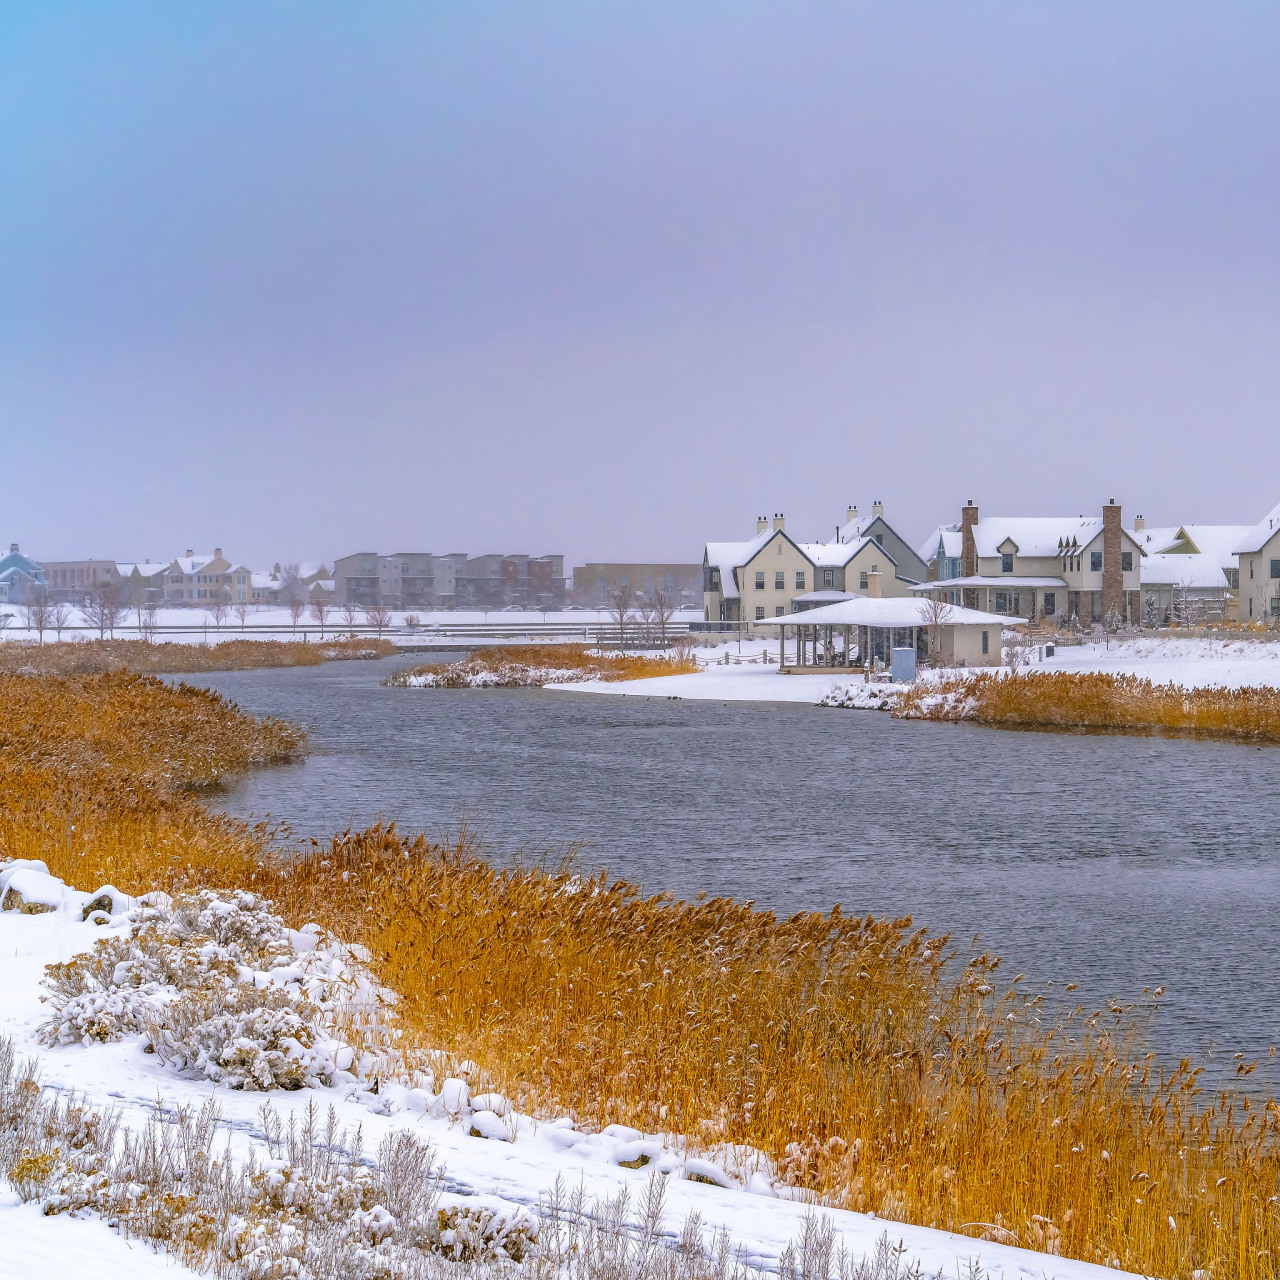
873	584
762	523
1139	523
190	553
779	522
877	509
851	516
217	553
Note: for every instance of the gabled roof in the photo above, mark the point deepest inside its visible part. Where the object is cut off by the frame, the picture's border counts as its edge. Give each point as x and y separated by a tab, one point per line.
15	560
728	556
147	570
834	555
1039	536
192	564
951	539
1180	568
1260	534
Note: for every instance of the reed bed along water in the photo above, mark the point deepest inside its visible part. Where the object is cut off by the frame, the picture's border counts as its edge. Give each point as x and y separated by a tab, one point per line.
879	1068
87	657
1061	699
511	666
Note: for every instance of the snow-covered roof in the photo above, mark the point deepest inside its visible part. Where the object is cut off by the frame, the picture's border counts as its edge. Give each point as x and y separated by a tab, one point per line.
824	597
1035	535
193	564
992	580
857	528
1182	568
952	543
148	570
897	611
727	556
1154	540
1216	540
1260	534
833	555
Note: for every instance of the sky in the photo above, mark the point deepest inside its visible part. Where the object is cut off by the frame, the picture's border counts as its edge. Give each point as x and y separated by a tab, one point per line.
302	279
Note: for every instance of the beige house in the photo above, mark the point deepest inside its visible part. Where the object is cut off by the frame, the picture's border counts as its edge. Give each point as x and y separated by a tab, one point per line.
772	575
198	580
1081	567
1258	553
1190	572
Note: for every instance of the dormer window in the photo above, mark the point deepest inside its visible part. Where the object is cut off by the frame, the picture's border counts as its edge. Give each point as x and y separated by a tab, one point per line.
1006	562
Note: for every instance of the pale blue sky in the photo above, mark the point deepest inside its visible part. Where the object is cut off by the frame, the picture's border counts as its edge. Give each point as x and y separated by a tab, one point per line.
302	278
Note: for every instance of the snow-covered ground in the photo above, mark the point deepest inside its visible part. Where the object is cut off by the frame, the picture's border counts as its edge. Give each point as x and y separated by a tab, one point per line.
518	1159
1189	662
1193	663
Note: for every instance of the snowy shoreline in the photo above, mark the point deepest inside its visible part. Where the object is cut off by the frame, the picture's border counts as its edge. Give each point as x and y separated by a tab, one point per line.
493	1156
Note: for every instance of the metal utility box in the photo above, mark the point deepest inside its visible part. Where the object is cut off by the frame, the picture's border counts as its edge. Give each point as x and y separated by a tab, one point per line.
904	666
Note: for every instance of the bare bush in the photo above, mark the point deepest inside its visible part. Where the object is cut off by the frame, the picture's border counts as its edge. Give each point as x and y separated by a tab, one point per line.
106	609
37	611
378	616
320	612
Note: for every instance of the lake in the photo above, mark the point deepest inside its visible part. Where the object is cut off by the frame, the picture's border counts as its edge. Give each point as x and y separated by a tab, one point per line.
1114	862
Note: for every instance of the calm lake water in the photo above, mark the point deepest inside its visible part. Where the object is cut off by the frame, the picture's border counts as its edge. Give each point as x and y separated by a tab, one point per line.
1114	862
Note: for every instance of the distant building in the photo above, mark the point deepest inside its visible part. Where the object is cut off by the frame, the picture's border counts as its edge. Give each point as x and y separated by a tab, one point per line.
20	576
143	583
202	579
74	581
1258	555
594	584
403	580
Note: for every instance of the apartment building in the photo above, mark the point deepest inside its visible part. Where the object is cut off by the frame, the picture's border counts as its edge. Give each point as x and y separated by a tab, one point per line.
402	580
595	584
74	581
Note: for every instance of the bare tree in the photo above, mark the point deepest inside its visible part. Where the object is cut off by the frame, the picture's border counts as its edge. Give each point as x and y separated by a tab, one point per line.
37	610
320	612
59	617
219	608
349	615
378	616
412	622
5	620
105	609
622	611
296	609
935	615
147	621
662	605
241	610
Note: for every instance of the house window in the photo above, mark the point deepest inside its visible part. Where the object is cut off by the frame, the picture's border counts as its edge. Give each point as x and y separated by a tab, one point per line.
1006	562
985	634
1275	605
862	580
777	611
760	580
1126	561
1050	604
828	578
1095	561
1275	568
879	539
759	612
799	581
715	579
1002	603
779	581
1233	578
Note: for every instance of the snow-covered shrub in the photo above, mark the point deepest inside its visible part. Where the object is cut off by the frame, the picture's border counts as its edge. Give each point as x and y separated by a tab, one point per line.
245	1038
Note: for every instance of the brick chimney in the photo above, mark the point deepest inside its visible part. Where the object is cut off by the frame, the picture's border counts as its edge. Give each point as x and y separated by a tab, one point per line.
1112	581
779	522
762	523
968	548
873	584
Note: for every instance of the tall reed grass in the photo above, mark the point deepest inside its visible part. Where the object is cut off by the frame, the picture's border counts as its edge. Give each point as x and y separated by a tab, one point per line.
531	664
881	1069
90	657
1062	699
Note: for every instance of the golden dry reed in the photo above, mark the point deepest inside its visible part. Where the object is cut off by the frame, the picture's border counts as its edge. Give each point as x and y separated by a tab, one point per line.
86	657
1062	699
880	1070
521	663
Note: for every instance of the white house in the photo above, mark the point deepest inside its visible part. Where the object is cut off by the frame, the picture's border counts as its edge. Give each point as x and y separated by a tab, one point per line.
1190	571
1258	554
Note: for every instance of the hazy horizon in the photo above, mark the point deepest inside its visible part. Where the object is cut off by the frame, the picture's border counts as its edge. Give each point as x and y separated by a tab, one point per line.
300	280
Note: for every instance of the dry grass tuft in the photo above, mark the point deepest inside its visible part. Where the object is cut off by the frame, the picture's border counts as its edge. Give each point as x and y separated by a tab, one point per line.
1061	699
878	1070
92	657
514	665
